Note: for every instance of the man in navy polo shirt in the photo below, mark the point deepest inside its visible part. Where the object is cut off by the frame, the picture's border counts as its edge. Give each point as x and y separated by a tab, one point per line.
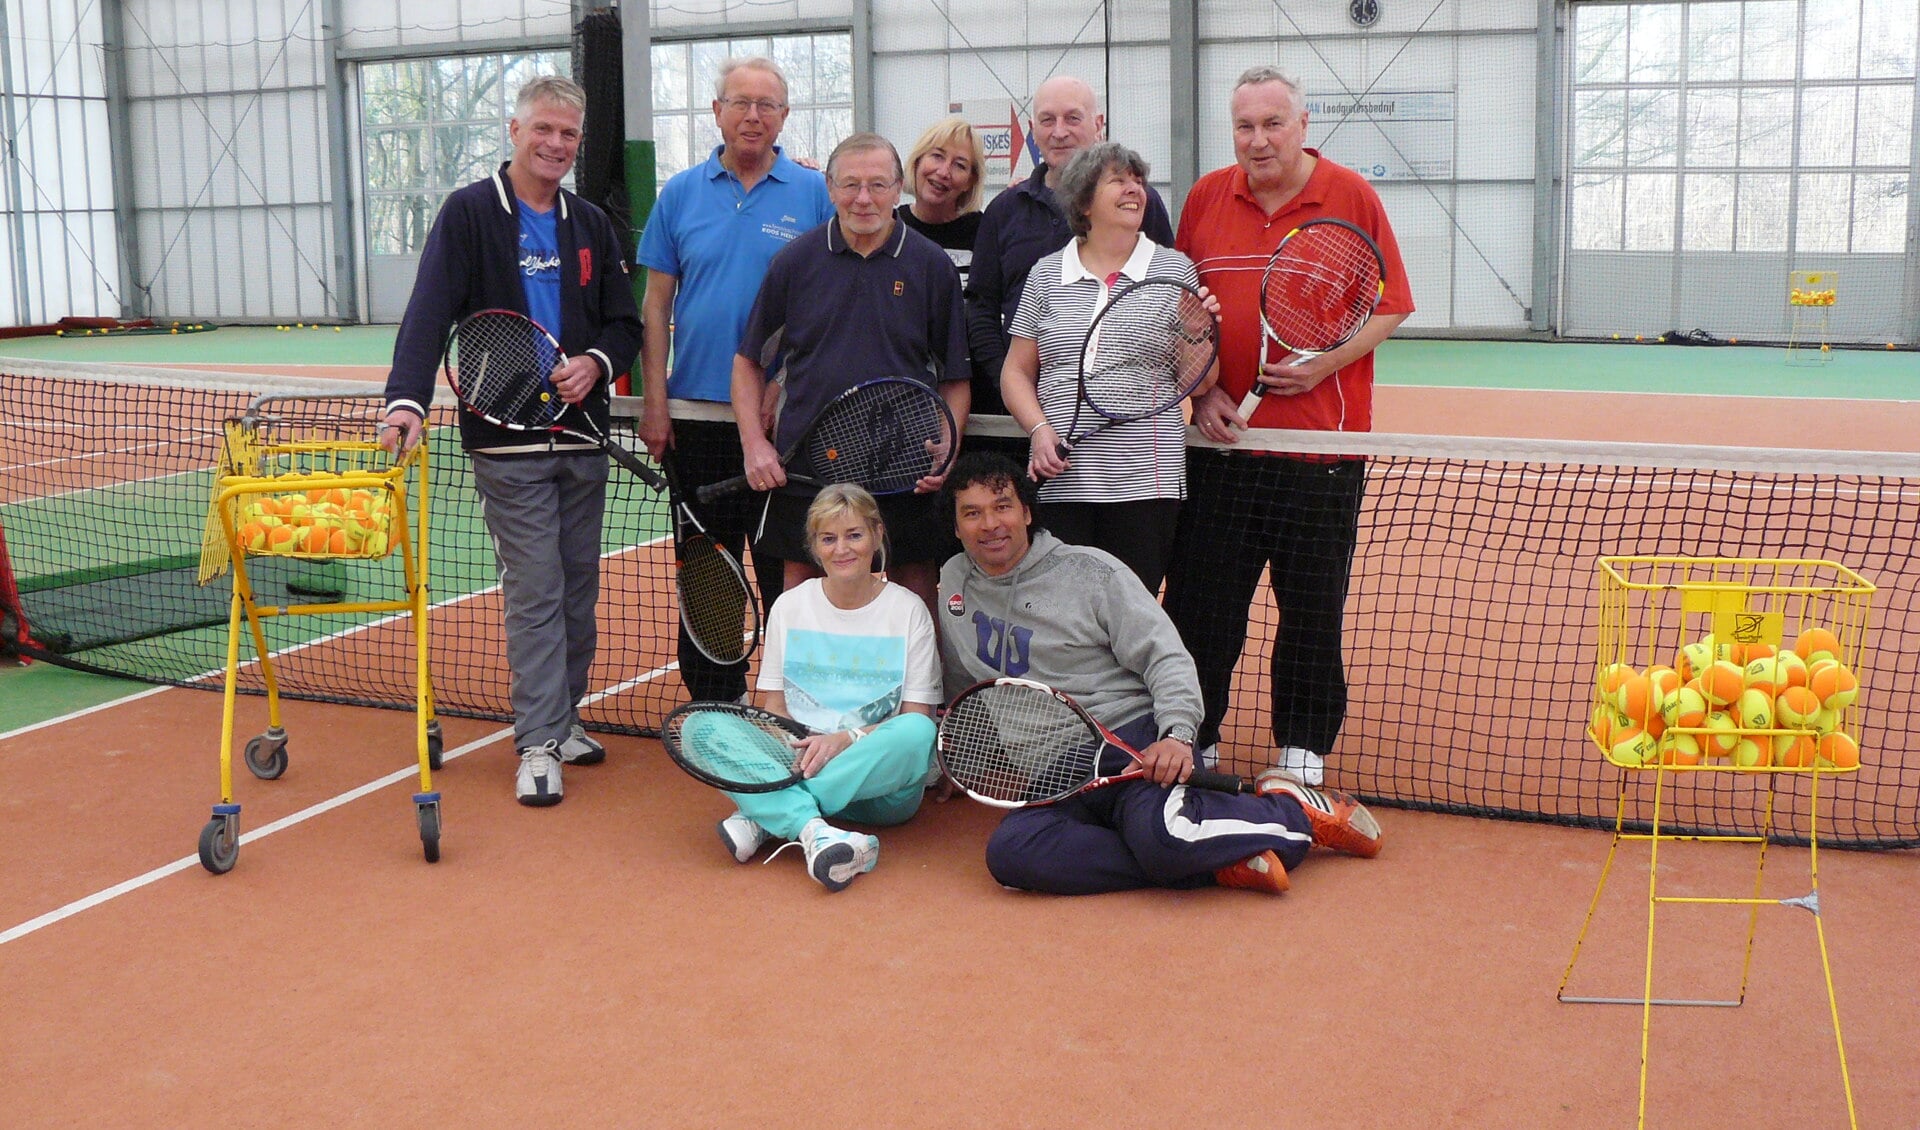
519	241
859	297
706	247
1025	223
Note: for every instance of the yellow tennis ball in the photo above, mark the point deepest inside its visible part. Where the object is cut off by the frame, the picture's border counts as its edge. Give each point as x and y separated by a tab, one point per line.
1602	725
280	539
1721	736
1686	709
1696	657
1611	676
1665	680
1827	721
1793	749
1765	675
1631	746
1793	669
1754	710
1750	754
377	544
253	535
1722	682
1681	749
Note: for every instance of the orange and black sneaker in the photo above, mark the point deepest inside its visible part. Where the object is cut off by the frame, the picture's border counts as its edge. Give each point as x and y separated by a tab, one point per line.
1261	872
1339	821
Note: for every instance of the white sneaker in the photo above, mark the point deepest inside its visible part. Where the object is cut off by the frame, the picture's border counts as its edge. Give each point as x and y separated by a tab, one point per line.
1304	765
538	784
580	749
742	836
834	857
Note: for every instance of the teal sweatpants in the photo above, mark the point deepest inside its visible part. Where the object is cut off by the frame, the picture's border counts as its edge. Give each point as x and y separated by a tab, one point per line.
876	780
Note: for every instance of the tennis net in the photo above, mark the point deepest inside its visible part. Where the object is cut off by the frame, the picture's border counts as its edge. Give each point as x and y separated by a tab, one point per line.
1470	634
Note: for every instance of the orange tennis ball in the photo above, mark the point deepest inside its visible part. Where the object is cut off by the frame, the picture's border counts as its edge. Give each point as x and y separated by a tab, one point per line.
1601	727
336	541
316	539
1666	680
1760	651
1638	700
1834	685
1722	682
1817	643
1611	676
1838	750
1749	754
253	535
1793	669
1682	749
1793	749
1796	706
280	539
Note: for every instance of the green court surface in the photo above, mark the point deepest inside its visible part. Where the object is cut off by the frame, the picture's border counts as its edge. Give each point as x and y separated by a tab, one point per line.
40	691
1853	374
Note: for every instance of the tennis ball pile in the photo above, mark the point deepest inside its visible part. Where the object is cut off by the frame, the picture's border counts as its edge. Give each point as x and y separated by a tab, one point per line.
1749	704
335	522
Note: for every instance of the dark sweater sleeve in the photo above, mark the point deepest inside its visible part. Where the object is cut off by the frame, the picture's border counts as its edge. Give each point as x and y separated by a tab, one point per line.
439	292
986	290
619	316
1157	226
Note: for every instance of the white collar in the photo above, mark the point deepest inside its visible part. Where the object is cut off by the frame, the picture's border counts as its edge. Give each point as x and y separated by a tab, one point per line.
1135	268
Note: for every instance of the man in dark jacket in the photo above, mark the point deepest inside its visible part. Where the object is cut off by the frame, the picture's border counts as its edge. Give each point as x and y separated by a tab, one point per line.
518	241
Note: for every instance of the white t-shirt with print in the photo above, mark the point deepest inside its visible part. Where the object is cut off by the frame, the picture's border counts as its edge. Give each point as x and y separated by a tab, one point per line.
839	667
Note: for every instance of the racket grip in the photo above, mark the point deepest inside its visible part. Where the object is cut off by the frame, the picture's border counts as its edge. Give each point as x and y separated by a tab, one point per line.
714	491
1218	782
1252	400
640	470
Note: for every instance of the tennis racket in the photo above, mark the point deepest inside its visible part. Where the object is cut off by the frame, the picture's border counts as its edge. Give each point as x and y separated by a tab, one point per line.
1319	288
716	604
1014	743
884	435
741	749
1146	351
500	364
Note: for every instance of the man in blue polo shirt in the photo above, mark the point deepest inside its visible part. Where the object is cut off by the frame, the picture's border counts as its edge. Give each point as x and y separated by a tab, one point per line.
706	248
861	296
1025	223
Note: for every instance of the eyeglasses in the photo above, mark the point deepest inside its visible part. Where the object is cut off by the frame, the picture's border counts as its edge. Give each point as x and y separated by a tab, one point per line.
767	107
872	187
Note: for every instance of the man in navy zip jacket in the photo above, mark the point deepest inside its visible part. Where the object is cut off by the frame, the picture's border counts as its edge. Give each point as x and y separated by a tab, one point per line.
518	241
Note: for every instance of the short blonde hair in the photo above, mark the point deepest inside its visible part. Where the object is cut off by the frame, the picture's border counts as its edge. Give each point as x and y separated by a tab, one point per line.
841	499
550	88
951	133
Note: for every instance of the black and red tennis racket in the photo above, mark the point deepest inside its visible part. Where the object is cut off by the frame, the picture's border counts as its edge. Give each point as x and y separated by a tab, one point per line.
716	603
1146	351
1320	286
730	746
884	435
1014	743
501	363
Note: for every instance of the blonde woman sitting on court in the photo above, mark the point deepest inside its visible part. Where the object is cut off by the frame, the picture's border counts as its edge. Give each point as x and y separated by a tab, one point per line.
853	658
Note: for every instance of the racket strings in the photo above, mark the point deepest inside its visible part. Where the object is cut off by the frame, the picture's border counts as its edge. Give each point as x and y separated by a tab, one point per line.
886	438
715	603
503	365
1156	343
1016	744
1320	287
733	746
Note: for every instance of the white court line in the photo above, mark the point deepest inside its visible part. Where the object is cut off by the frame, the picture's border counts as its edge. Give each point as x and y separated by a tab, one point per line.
184	863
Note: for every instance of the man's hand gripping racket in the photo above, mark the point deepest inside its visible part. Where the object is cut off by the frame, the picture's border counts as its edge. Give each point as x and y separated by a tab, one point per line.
884	435
509	371
1319	288
1014	743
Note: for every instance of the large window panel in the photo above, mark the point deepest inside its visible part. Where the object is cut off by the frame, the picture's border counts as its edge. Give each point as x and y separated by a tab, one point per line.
1713	127
1653	47
1766	127
1887	40
1880	212
1769	30
1761	223
1649	212
1708	212
1713	42
1833	39
1826	126
1823	213
1885	134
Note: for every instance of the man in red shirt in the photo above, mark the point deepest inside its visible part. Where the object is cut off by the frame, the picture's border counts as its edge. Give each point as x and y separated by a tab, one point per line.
1247	511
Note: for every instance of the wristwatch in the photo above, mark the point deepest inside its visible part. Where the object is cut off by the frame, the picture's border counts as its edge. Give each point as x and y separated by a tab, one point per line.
1179	732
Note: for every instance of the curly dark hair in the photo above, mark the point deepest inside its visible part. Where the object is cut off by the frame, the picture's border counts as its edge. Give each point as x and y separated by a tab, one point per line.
992	470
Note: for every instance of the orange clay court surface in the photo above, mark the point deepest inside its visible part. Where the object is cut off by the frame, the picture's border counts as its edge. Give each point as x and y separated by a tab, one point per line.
605	963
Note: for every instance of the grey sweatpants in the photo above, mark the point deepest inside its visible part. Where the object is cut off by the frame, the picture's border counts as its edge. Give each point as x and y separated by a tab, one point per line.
544	514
